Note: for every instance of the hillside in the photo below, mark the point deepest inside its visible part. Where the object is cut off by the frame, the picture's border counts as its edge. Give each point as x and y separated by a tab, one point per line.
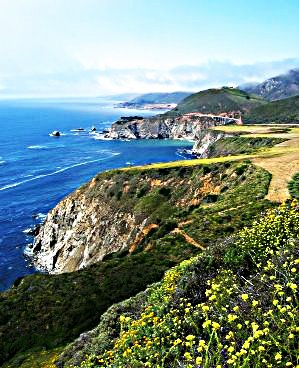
235	305
281	111
216	101
183	210
276	88
148	99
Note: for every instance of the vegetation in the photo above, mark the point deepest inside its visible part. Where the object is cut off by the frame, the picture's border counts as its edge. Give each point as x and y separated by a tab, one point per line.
202	203
217	101
281	161
280	111
254	109
235	305
294	186
241	145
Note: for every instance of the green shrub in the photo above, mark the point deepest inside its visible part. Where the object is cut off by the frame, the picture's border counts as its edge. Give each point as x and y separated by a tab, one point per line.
294	186
205	314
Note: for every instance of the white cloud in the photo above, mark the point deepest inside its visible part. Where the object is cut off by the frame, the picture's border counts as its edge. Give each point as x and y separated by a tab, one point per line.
99	81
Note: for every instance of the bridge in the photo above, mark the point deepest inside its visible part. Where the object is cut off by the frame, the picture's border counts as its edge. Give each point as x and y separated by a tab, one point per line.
220	119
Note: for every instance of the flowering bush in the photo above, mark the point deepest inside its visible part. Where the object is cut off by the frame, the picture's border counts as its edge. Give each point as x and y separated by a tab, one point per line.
237	319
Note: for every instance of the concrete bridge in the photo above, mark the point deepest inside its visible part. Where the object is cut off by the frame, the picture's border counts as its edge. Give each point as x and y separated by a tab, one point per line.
219	119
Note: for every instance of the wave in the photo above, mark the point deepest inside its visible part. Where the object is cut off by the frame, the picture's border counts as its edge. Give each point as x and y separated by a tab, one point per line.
99	136
40	216
185	154
43	147
61	134
37	147
2	162
8	186
27	231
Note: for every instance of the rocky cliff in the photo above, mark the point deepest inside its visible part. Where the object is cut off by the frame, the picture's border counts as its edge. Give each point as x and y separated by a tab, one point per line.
123	211
83	228
114	212
191	126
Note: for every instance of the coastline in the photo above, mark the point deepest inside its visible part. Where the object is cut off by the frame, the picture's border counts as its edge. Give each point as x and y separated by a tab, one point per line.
34	157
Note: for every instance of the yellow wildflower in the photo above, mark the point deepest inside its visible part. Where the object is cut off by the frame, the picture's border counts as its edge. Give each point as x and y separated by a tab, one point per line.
244	297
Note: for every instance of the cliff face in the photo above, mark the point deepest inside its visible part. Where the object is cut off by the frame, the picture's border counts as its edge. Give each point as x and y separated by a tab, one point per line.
81	230
122	210
192	126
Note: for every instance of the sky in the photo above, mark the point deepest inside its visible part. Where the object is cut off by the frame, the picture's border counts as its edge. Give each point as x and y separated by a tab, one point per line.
53	48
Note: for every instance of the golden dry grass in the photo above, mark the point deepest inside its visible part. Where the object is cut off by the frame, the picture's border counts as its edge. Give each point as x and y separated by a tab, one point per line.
200	161
283	168
282	160
283	165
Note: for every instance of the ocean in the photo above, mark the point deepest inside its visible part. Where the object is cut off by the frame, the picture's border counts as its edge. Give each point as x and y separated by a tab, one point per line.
37	170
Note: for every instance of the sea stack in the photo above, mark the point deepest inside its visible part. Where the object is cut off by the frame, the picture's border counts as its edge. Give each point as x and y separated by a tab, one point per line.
55	133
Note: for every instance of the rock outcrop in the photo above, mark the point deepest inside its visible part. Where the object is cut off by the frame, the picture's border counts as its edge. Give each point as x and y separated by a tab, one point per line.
192	126
82	229
119	211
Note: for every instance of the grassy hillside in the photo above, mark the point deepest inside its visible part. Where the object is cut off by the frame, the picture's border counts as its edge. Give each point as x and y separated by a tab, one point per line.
241	145
216	101
192	208
281	111
236	305
233	306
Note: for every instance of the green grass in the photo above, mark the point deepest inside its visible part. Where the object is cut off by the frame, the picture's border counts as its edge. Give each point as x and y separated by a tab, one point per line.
217	101
281	111
241	145
294	186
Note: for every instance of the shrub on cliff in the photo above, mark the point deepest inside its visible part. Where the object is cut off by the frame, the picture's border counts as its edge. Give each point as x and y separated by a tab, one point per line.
219	310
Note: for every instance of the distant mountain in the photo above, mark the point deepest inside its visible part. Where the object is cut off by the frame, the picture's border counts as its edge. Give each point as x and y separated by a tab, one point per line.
155	99
282	86
281	111
216	101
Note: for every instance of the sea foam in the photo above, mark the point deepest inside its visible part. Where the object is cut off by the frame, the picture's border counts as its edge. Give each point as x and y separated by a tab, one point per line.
37	147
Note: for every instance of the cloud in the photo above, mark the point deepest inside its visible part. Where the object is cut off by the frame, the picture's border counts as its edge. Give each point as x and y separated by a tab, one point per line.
92	81
189	77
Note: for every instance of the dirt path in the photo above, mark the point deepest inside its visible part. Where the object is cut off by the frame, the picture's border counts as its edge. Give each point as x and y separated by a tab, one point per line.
188	238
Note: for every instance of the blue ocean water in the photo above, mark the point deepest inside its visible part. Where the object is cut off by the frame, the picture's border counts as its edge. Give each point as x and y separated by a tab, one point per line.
37	170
